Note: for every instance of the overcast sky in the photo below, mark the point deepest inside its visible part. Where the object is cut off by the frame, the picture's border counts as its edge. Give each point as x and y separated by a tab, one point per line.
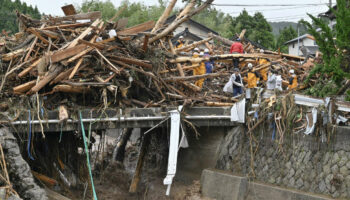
272	13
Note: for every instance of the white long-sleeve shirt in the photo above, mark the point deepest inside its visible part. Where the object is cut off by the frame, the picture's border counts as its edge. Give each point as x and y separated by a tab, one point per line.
271	82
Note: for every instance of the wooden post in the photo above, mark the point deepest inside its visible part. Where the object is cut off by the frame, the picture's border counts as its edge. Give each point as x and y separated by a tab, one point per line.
178	65
119	156
137	175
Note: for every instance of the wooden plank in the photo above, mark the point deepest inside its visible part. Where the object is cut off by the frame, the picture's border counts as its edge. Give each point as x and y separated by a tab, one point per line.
138	28
69	10
84	33
64	26
66	53
75	69
49	77
132	61
90	15
13	54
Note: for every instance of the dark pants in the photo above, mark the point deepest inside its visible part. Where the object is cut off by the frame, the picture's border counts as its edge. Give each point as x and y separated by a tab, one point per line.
235	62
237	91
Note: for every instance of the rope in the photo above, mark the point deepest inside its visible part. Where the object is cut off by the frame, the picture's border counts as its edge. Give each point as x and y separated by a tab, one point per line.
87	157
29	136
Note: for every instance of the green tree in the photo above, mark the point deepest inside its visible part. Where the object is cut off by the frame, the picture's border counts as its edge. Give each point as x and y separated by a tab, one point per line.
257	28
335	47
8	18
286	34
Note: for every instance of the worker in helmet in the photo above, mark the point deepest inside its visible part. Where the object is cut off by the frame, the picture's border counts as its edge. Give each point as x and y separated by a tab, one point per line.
236	48
200	70
261	62
196	50
180	42
252	80
293	80
209	65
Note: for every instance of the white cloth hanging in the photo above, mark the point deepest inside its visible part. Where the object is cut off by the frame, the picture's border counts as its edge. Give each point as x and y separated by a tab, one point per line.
238	112
311	121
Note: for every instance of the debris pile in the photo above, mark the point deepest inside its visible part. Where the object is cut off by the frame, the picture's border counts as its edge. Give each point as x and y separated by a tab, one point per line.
61	58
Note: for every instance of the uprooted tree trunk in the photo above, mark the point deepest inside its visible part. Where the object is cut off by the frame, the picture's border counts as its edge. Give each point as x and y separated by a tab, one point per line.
164	16
179	21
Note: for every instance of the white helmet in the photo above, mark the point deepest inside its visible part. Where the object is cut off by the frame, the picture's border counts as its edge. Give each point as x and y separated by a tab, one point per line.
196	49
262	51
206	50
195	53
201	54
291	71
250	65
181	37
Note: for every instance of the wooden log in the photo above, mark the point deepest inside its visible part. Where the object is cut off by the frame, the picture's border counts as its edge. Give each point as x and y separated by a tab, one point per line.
219	58
191	86
49	34
284	55
70	89
193	45
209	47
137	175
55	70
28	69
137	29
150	74
37	34
22	89
190	5
224	98
183	68
132	61
219	104
164	16
13	54
120	149
178	22
267	65
221	39
196	77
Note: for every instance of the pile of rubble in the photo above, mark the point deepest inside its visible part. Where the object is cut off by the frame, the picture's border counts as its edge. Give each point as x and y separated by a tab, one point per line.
65	60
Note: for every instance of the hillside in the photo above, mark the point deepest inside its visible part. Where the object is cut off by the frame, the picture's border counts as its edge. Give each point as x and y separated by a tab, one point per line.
276	26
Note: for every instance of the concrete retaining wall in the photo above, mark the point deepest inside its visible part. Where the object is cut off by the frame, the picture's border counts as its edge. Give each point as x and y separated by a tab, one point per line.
300	162
222	185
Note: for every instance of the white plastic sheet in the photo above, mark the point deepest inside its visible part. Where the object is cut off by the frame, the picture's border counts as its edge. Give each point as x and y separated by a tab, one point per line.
311	121
238	112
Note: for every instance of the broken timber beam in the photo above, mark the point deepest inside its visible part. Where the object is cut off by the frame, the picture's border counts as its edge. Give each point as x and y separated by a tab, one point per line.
221	39
137	29
164	16
193	45
188	78
137	175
